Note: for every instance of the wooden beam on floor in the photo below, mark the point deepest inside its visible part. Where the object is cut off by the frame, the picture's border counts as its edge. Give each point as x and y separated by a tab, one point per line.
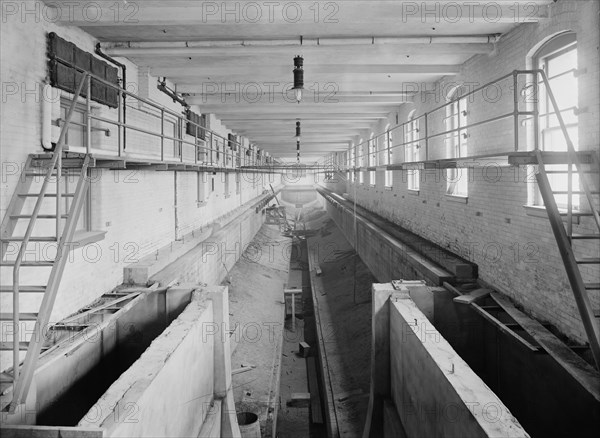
503	328
578	368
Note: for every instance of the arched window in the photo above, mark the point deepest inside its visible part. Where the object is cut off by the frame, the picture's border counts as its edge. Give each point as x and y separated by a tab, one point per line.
558	59
412	150
372	146
352	161
387	155
361	160
457	179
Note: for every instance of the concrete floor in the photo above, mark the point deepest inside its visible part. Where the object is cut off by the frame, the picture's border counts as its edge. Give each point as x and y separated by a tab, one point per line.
256	301
256	307
343	294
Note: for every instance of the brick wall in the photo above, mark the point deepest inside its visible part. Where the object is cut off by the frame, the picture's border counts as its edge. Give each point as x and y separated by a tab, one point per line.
140	210
516	252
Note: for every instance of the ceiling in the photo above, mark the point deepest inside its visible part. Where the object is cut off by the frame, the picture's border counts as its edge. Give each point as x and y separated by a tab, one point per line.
362	59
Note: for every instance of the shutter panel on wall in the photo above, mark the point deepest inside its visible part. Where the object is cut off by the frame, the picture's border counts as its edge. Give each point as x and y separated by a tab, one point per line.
194	130
82	60
66	56
98	88
112	95
232	142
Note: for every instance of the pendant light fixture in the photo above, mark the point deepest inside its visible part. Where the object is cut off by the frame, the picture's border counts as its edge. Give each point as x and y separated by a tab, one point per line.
298	77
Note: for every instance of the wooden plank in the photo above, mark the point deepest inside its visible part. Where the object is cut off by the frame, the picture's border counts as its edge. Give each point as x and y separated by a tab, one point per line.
50	432
505	329
472	297
578	368
316	413
451	288
99	308
299	400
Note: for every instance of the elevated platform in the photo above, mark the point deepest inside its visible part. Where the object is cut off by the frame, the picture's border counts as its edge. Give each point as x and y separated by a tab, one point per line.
140	162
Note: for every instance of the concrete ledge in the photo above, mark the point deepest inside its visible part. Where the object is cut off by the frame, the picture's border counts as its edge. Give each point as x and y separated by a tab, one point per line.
433	262
155	388
385	255
434	390
143	270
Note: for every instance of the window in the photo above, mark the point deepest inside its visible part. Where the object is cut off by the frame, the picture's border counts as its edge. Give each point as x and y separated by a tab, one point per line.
361	177
457	183
558	59
372	149
360	153
412	150
387	156
238	185
352	162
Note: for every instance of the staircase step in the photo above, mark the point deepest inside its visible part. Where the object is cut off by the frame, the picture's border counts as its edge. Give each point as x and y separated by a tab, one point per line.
592	286
47	195
44	173
574	171
24	289
22	316
585	237
28	264
31	239
40	216
8	346
589	261
577	213
578	192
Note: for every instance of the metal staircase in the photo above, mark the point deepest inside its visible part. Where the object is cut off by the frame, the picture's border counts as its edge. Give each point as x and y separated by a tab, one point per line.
567	240
15	383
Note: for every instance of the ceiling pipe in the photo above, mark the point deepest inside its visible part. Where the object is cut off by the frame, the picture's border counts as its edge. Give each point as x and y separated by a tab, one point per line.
132	48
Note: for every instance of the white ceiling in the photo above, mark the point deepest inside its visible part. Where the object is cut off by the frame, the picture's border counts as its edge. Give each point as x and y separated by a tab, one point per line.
362	56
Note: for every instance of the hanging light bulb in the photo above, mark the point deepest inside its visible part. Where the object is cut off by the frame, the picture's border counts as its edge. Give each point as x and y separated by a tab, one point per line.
298	130
298	77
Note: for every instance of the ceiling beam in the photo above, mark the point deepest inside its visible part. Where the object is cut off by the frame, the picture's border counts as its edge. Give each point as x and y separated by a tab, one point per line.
278	116
189	50
220	71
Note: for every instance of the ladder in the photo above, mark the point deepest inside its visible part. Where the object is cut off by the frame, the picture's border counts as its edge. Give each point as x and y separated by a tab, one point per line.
16	382
566	239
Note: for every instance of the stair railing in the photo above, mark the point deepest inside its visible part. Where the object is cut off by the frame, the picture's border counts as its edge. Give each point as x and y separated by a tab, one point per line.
55	163
563	237
574	158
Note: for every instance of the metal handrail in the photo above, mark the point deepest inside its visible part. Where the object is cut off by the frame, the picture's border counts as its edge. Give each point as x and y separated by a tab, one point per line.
54	163
209	135
427	136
